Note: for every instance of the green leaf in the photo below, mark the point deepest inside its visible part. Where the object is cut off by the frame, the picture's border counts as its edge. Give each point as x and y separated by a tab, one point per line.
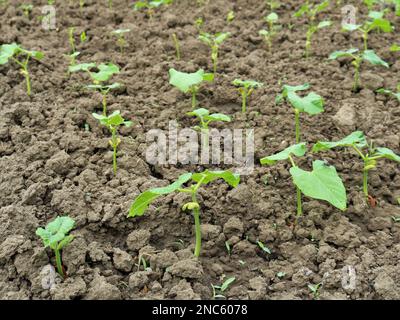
7	51
55	231
324	24
272	17
221	37
81	67
351	27
321	183
395	48
201	112
387	153
185	81
381	24
311	104
298	150
286	89
142	202
356	138
105	72
217	117
303	9
227	283
375	15
321	6
66	241
206	177
371	57
338	54
247	83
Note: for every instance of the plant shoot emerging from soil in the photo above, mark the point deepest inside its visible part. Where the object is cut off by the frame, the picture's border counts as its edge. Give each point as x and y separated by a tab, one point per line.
189	82
391	93
270	34
21	57
311	11
113	122
321	183
370	156
312	103
376	22
55	235
214	41
357	59
246	88
150	6
142	202
103	74
120	34
220	289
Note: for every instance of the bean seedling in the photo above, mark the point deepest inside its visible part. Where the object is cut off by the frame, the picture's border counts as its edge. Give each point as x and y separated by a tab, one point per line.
120	34
21	57
104	73
142	202
55	235
150	6
214	41
390	92
321	183
189	82
113	122
357	58
376	22
358	142
311	11
246	88
312	103
219	290
269	34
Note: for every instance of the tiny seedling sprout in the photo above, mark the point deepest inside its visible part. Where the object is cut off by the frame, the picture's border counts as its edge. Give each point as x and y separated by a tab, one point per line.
357	58
219	290
150	5
263	247
376	22
21	57
269	34
120	34
55	235
321	183
314	288
189	82
142	201
246	88
104	73
113	122
358	142
311	104
311	11
214	41
230	16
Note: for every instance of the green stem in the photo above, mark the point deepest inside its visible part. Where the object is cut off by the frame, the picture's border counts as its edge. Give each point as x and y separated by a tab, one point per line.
365	183
104	104
297	120
244	96
114	145
356	78
59	263
28	81
196	214
299	204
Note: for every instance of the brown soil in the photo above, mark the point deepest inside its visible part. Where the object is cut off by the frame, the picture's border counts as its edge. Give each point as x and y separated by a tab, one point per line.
50	165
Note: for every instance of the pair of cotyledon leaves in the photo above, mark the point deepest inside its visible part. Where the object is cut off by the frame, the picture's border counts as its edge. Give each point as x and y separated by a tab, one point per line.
8	51
55	234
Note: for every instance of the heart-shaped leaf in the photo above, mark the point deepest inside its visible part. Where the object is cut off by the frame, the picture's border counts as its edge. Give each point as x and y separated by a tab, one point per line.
356	138
298	150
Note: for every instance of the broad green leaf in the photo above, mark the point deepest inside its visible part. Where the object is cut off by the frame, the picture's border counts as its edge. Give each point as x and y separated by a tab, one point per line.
387	153
55	231
81	67
371	57
321	183
209	77
217	117
206	177
298	150
324	24
356	138
286	89
351	27
311	104
272	17
142	202
345	53
201	112
115	119
7	51
105	72
381	24
185	81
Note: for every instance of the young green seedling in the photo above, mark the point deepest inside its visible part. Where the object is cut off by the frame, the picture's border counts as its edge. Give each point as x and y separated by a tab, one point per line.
104	73
230	16
269	34
391	93
142	202
120	34
150	5
189	82
376	22
312	103
55	235
263	247
26	9
370	156
113	122
177	46
273	4
214	41
246	88
311	11
83	37
357	59
199	24
110	4
71	39
321	183
21	57
72	58
314	288
205	118
219	290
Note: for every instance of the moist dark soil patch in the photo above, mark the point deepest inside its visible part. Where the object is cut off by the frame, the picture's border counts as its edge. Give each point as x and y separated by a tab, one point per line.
51	165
